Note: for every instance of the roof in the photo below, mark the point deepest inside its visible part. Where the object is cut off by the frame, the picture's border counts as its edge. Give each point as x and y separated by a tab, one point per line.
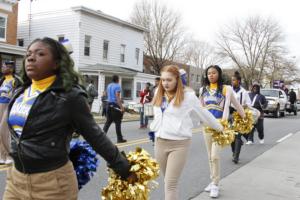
110	69
109	17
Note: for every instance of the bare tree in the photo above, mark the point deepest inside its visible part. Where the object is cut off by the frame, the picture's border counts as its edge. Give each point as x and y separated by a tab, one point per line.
200	54
248	43
165	36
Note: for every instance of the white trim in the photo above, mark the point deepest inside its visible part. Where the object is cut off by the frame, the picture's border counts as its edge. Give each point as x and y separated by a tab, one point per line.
108	17
6	6
12	49
5	26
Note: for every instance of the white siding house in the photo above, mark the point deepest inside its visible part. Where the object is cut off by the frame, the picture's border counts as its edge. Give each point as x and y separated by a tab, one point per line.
102	46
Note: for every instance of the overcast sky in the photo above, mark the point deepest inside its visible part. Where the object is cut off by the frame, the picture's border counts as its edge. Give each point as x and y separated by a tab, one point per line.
203	18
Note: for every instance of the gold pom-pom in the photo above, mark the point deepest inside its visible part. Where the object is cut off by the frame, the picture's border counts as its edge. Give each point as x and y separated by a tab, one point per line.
243	125
224	138
146	170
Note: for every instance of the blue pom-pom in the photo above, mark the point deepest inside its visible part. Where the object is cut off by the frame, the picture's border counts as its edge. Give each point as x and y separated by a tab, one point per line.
84	161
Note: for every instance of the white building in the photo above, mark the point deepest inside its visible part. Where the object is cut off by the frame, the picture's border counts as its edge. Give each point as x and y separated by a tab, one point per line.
102	46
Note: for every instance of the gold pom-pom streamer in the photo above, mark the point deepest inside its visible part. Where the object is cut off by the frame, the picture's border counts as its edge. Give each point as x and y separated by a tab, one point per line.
243	125
146	170
224	138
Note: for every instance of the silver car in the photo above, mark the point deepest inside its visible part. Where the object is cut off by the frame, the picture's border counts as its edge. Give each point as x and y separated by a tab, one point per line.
277	101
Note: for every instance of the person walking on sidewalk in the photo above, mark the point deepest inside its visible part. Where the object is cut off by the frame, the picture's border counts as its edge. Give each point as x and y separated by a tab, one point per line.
241	96
115	108
216	97
146	97
92	93
8	84
176	112
42	116
259	102
104	104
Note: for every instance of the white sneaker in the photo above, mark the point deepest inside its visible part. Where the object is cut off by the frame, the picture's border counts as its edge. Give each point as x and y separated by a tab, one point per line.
207	189
249	142
262	141
8	162
214	191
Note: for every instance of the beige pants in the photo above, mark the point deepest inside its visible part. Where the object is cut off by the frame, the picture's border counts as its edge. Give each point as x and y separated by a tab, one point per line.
59	184
4	132
171	156
213	151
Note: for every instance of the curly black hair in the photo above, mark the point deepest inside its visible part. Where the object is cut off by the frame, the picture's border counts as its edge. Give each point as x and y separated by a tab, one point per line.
65	64
220	81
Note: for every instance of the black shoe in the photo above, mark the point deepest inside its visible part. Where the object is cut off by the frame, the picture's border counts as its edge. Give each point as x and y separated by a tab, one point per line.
122	141
236	161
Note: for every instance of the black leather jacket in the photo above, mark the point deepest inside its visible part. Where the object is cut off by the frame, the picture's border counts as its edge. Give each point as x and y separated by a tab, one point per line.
45	141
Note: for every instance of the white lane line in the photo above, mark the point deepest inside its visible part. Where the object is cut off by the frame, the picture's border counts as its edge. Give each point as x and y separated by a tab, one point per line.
285	137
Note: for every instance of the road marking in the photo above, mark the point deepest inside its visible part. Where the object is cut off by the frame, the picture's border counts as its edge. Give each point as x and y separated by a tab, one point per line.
146	140
285	137
4	167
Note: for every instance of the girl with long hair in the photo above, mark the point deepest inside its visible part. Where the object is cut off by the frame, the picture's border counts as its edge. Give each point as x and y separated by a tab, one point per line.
176	112
216	97
8	84
42	115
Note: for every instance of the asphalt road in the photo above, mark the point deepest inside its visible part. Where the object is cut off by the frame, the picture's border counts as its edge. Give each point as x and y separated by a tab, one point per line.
196	173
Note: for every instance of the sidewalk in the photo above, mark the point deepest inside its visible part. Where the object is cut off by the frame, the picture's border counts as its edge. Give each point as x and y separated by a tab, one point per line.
274	175
127	117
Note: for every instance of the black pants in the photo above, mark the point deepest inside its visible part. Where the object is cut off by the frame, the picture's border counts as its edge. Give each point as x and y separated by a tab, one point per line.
114	115
236	146
259	126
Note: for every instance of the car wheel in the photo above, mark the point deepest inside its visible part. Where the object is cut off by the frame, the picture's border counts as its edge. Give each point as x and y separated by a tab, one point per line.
276	113
282	114
295	112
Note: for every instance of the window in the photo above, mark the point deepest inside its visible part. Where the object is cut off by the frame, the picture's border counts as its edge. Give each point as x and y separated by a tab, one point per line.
137	55
122	54
87	44
105	49
61	38
21	42
3	22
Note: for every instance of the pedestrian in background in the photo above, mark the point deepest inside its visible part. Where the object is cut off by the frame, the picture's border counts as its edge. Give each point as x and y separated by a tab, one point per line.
292	97
115	108
243	98
92	93
259	102
176	112
154	88
104	104
146	97
8	84
42	116
216	97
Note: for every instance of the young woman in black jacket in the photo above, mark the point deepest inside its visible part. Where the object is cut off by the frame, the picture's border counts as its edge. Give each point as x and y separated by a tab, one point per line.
42	116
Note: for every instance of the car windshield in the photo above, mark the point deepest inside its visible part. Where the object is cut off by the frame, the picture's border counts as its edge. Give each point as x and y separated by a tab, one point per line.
270	93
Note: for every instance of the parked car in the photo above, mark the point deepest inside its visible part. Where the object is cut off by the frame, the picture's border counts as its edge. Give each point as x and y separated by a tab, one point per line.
277	101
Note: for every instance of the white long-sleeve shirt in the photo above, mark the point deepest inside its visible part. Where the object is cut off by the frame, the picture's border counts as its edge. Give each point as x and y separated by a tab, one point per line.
242	93
176	123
